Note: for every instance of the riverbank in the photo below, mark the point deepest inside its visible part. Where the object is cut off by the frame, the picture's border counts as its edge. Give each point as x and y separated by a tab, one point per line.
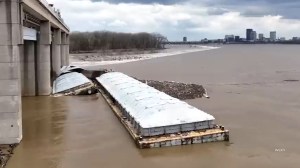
118	56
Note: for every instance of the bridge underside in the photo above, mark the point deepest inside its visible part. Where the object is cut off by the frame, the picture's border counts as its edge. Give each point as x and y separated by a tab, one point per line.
34	44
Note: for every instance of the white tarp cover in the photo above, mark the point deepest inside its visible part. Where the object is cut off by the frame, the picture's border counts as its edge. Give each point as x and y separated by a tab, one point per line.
69	81
148	106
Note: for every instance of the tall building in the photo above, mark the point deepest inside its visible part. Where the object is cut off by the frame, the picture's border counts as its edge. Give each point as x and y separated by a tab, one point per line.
184	39
261	37
253	36
229	38
248	34
273	35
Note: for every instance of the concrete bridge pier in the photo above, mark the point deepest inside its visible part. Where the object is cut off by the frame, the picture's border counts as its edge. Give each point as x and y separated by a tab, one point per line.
56	52
44	60
67	44
28	56
10	85
28	70
63	49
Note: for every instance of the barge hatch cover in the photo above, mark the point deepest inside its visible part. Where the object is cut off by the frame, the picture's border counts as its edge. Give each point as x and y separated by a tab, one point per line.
153	117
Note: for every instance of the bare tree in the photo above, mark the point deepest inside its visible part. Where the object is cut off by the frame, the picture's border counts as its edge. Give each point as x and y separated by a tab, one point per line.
105	40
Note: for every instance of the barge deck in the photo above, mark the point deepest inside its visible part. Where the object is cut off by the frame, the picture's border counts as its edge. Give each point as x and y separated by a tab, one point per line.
215	134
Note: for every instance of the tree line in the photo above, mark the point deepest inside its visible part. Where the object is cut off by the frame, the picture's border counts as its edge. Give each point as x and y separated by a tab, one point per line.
104	40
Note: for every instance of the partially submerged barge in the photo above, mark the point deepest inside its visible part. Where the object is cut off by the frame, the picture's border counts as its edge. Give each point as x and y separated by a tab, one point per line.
72	83
74	80
155	119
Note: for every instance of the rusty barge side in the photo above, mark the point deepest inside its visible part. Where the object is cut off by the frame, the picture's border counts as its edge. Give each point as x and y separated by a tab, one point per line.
218	133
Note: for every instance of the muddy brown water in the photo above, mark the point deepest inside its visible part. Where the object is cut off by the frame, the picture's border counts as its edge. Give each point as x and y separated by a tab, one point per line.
250	94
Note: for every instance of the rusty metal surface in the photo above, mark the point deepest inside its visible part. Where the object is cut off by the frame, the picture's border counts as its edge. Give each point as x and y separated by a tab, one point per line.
185	138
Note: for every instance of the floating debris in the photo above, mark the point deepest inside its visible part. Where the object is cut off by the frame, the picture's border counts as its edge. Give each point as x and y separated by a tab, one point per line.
6	152
69	69
91	74
155	119
291	80
178	90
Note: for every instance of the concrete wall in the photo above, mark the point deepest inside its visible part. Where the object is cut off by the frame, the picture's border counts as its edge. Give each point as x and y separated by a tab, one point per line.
10	85
63	49
28	78
43	11
43	59
56	53
26	69
67	44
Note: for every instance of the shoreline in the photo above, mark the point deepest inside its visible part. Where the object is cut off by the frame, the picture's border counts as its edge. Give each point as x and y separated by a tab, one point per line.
139	57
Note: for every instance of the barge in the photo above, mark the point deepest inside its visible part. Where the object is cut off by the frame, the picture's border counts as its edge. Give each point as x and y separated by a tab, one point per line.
72	83
155	119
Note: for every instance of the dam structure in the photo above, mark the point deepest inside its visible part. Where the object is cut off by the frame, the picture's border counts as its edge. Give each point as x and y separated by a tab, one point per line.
155	119
34	45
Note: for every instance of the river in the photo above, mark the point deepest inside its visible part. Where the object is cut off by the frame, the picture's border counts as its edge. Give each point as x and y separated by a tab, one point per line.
254	90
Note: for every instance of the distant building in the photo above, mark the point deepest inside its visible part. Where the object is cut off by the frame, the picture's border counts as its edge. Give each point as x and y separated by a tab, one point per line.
295	38
205	40
243	39
266	39
248	34
237	38
261	37
253	36
282	39
184	39
273	35
229	38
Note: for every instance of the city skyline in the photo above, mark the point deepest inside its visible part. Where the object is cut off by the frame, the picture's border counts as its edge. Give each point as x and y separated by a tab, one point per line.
174	19
250	36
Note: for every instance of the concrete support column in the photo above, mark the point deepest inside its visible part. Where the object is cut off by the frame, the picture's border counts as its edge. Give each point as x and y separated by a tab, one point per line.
67	49
56	52
43	60
63	48
10	87
28	69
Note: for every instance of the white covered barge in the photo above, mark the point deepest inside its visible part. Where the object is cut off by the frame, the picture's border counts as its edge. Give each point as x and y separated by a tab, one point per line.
155	119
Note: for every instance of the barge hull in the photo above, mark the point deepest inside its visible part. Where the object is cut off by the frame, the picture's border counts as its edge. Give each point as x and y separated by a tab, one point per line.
184	138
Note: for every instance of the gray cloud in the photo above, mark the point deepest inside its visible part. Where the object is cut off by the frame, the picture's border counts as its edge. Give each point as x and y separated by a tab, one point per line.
249	8
256	11
166	2
217	11
195	19
256	8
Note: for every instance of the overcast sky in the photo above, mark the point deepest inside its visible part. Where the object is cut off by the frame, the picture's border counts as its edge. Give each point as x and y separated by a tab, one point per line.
196	19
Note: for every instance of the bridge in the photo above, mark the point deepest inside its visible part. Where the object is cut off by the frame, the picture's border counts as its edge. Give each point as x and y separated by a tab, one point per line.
34	44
